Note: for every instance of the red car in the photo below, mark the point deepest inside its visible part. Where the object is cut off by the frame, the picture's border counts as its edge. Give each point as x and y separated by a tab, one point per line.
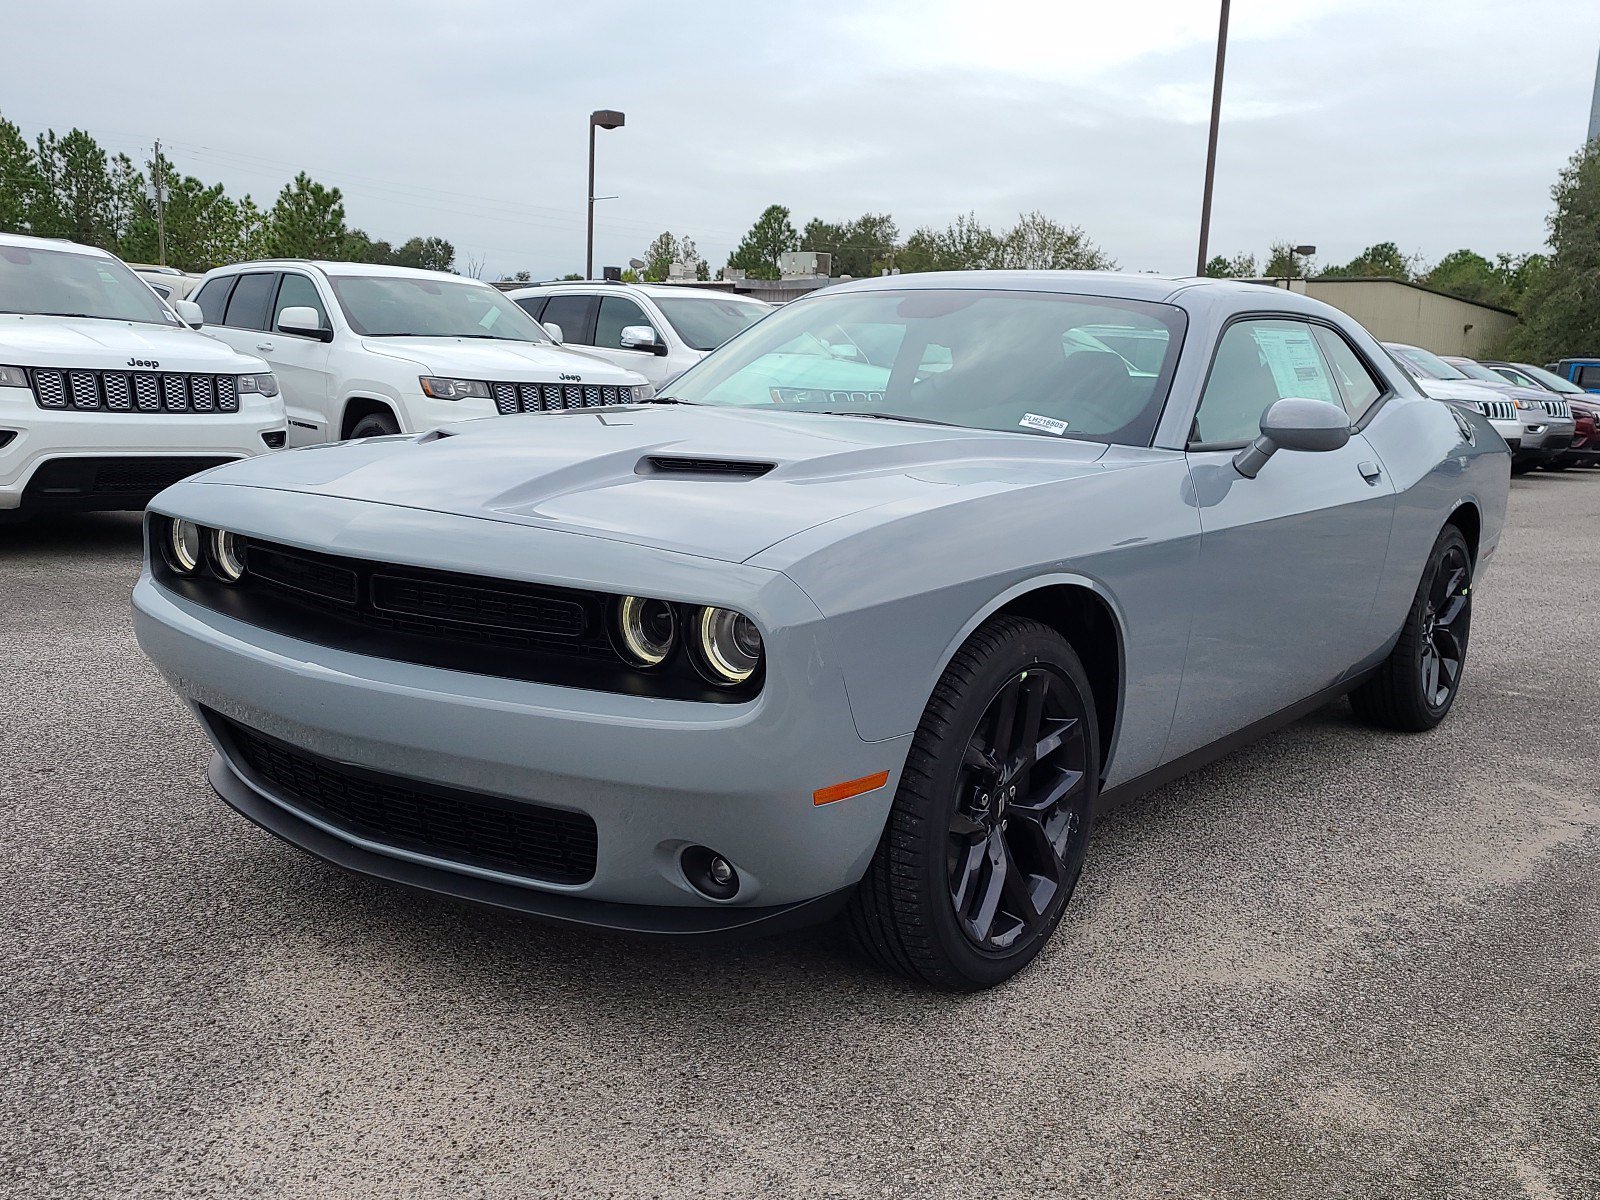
1585	448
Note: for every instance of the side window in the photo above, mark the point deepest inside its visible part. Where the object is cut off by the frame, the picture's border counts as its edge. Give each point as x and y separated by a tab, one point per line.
616	314
297	291
213	299
1588	378
1356	384
533	306
1257	364
572	314
252	296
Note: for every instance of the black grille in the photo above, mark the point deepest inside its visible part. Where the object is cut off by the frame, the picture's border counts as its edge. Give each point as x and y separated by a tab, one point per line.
738	468
555	397
133	391
483	624
510	836
69	483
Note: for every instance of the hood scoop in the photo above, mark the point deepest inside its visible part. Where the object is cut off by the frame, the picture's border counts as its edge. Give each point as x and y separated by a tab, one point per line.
702	468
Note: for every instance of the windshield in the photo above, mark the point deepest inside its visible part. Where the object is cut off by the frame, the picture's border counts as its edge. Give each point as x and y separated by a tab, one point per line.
1473	370
68	284
1015	362
404	306
705	322
1429	366
1551	380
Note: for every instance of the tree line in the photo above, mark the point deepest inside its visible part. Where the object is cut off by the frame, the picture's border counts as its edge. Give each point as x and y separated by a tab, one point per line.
68	186
871	243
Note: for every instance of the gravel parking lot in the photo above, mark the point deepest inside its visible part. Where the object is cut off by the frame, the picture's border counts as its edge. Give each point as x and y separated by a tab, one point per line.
1339	963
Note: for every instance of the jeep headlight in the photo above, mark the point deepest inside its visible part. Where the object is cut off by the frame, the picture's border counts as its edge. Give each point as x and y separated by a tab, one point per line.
441	388
264	385
13	377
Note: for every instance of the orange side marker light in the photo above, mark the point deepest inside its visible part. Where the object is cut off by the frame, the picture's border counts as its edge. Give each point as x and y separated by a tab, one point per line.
853	787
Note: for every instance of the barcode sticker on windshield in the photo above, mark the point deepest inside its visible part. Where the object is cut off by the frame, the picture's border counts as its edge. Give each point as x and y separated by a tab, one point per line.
1047	424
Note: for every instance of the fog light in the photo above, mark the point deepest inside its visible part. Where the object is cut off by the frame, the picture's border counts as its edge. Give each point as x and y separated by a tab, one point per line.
709	873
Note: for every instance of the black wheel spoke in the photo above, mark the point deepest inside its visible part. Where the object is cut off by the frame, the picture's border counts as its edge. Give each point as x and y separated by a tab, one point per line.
965	881
1051	740
1050	798
993	887
966	830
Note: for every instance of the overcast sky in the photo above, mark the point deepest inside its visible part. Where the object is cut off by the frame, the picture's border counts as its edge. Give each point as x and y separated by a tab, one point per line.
1432	123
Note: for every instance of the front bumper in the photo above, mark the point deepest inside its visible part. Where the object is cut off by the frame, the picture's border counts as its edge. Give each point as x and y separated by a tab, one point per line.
44	436
1546	436
655	775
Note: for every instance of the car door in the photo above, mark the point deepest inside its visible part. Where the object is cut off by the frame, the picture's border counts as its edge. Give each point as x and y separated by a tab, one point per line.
241	311
616	314
1289	561
302	363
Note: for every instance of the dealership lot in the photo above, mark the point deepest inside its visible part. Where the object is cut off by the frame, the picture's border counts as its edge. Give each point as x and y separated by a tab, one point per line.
1337	963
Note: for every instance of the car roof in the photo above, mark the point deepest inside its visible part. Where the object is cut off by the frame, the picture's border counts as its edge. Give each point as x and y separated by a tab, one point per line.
331	267
26	241
674	290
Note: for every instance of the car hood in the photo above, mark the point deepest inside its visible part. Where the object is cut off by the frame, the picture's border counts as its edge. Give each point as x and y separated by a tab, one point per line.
733	482
515	362
34	341
1459	389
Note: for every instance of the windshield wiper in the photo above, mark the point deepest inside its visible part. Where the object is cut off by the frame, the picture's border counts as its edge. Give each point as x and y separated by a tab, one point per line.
665	400
883	416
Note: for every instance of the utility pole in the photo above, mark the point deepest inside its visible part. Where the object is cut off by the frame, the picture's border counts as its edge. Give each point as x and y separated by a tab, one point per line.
161	206
1211	145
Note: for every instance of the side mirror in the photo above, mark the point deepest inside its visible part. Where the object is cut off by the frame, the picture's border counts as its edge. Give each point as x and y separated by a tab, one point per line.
189	313
554	331
304	321
1294	424
642	337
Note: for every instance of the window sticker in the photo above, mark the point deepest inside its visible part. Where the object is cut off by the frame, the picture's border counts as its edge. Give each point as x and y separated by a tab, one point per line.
1296	366
1044	424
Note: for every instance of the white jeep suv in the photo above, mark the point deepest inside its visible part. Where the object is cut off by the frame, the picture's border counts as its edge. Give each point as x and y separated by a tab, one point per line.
363	350
105	397
659	330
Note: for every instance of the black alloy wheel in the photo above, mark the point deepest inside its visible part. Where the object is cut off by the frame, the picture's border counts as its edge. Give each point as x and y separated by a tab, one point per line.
1446	621
1016	832
1417	684
989	828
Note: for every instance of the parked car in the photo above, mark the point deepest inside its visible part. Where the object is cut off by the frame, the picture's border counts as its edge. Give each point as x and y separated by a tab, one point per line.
105	397
759	652
1585	448
1541	403
167	282
1585	372
1538	436
365	350
659	330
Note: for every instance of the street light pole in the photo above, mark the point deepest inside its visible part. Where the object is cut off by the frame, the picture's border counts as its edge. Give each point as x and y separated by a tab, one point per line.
604	118
1211	144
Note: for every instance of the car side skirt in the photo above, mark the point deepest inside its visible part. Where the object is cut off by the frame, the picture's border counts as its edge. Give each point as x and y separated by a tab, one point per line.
1138	786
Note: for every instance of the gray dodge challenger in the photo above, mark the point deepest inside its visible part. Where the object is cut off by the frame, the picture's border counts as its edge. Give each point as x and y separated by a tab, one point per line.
867	617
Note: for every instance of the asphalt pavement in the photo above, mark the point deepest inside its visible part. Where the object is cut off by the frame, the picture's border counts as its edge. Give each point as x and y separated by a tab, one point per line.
1338	963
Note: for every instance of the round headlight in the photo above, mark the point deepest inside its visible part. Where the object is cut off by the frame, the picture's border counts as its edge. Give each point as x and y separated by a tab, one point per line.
729	645
183	546
227	554
646	630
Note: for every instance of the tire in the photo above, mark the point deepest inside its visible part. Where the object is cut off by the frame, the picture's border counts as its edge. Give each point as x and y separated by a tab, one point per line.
1522	468
375	425
1416	685
1556	464
967	834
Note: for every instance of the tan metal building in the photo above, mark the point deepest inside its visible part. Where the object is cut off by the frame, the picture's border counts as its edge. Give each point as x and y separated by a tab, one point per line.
1397	311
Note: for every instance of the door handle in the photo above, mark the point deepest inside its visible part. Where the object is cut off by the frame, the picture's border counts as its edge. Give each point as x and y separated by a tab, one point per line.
265	346
1370	471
